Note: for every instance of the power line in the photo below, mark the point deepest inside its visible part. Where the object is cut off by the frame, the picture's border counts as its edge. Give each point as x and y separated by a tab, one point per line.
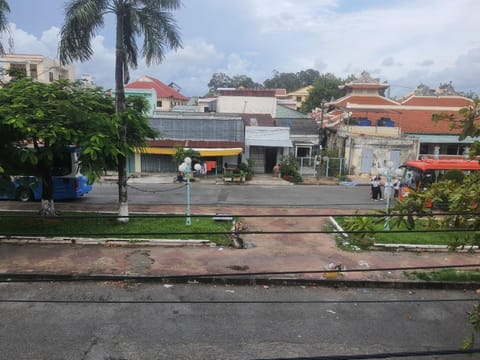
6	277
389	355
239	302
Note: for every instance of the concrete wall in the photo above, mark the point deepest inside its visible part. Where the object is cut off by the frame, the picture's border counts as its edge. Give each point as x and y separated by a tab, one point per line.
247	105
377	151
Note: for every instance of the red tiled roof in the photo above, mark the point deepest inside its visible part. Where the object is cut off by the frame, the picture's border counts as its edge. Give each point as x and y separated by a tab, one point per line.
364	100
162	90
199	144
420	122
440	101
410	121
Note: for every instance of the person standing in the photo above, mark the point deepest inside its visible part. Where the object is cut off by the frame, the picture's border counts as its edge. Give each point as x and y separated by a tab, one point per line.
276	170
379	191
376	188
396	188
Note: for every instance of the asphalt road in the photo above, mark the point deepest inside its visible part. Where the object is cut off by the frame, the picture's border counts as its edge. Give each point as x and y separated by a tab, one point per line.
116	320
312	196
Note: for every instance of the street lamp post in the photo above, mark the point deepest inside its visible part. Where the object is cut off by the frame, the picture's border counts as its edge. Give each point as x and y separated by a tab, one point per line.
186	167
389	171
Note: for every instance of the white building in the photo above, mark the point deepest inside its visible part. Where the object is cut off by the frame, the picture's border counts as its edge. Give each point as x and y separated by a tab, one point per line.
247	101
37	67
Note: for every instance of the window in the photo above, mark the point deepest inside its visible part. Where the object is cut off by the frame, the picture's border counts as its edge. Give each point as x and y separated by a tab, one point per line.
33	71
19	68
50	76
299	98
159	103
303	152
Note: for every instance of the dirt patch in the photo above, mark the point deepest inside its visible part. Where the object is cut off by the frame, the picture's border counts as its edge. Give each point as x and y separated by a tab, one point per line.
140	261
321	181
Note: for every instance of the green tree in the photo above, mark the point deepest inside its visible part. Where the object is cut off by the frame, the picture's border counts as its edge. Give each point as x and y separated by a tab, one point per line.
181	153
222	80
308	77
150	20
466	121
4	9
219	80
39	120
288	81
324	89
244	81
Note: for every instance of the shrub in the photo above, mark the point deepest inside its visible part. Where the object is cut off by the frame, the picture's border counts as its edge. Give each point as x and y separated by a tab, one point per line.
289	169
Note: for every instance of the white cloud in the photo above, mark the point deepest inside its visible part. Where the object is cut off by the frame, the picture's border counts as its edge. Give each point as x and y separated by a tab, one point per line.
403	42
29	44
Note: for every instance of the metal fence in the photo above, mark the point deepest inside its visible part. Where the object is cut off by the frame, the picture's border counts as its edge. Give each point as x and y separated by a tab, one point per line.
326	166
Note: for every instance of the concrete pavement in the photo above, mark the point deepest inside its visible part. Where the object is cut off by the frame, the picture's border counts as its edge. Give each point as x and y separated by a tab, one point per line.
286	256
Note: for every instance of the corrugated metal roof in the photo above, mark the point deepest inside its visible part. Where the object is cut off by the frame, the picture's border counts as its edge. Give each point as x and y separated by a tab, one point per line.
442	139
285	112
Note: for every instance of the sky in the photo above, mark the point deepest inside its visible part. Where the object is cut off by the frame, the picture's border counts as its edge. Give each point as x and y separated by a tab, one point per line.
402	42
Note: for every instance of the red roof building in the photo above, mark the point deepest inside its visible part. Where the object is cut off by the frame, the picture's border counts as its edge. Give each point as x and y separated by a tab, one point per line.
370	129
165	97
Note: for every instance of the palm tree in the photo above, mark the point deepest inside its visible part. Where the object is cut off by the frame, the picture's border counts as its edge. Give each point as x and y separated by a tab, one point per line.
4	9
147	19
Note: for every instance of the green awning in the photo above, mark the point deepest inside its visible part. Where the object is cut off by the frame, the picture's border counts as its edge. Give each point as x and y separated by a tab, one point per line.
443	139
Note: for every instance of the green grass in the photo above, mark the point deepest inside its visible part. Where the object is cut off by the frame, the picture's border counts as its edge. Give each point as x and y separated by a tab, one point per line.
414	237
424	238
102	225
451	275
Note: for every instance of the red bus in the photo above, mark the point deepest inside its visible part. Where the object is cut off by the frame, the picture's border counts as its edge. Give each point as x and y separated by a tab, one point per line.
419	174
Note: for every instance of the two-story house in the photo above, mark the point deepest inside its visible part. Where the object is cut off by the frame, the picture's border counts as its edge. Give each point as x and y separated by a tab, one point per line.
37	67
161	97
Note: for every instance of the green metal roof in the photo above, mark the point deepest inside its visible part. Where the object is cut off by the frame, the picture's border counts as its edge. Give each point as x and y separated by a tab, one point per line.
443	139
285	112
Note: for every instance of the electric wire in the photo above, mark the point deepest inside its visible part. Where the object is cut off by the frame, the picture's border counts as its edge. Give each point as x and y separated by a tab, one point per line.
389	355
236	302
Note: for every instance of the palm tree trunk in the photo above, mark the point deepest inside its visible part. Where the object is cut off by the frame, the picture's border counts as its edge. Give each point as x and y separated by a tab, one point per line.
119	109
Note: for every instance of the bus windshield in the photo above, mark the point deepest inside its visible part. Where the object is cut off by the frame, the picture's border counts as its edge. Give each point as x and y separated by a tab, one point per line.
418	175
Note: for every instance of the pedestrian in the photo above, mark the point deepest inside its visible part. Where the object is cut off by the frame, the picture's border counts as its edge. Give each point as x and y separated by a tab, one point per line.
379	179
276	171
372	179
396	188
376	188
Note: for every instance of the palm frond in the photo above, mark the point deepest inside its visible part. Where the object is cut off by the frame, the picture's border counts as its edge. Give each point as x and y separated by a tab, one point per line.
130	32
4	9
160	31
82	20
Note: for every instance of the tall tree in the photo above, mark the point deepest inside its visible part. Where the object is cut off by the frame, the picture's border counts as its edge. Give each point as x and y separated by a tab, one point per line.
244	81
287	81
150	20
38	121
307	77
219	80
4	9
324	89
222	80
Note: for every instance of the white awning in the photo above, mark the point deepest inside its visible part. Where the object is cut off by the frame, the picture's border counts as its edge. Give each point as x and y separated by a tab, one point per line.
268	136
269	142
442	139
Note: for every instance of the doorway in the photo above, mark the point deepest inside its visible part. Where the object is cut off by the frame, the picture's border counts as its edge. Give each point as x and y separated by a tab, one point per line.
270	159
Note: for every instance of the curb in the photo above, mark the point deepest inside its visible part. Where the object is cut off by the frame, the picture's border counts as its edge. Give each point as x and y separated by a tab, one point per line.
239	280
24	240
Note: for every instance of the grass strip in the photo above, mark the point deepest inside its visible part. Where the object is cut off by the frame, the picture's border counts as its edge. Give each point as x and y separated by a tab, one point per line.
96	225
